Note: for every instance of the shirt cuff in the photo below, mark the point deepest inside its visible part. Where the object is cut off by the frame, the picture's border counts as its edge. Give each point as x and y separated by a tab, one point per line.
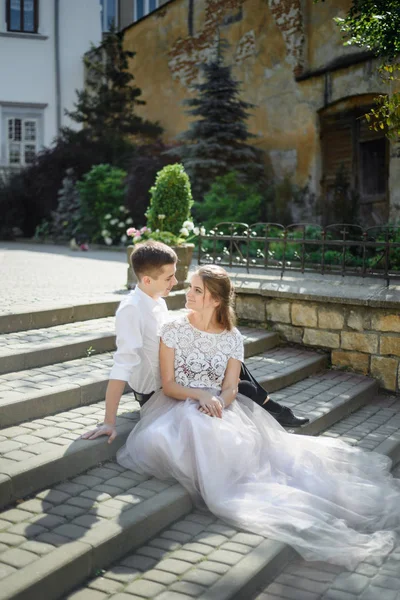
119	373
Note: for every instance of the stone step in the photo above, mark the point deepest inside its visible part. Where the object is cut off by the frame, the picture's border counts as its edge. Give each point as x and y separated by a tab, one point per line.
42	452
373	427
42	391
197	555
24	318
53	541
40	347
282	367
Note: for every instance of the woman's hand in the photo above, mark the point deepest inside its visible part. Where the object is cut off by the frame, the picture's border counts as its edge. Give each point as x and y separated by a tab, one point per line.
210	405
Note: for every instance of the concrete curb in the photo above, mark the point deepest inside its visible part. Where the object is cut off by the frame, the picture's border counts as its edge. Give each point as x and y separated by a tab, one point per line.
66	567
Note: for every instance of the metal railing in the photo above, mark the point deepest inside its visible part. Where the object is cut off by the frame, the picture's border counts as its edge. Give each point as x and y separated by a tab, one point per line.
334	249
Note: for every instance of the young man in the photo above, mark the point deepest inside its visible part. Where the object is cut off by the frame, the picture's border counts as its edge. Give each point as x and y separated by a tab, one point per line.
138	321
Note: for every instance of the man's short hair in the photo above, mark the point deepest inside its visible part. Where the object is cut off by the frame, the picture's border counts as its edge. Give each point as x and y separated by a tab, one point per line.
149	258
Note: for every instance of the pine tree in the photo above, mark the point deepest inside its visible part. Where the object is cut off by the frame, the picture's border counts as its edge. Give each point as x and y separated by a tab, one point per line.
216	141
106	107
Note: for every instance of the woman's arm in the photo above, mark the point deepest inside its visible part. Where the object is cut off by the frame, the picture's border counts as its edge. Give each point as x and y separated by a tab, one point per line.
180	392
231	381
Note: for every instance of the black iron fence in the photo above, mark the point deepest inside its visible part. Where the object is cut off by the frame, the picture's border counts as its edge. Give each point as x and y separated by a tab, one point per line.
335	249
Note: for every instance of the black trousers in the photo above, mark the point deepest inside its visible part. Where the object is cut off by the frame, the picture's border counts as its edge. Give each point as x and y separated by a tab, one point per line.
250	387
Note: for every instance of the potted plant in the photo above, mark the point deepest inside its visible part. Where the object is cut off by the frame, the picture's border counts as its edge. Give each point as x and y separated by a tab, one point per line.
168	220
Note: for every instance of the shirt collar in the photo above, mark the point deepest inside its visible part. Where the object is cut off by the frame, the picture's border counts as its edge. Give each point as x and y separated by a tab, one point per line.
149	301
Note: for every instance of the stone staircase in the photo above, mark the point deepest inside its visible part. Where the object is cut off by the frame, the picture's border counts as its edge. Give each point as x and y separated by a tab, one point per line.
76	525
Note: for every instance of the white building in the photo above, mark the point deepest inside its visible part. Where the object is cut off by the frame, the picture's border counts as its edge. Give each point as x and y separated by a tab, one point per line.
42	43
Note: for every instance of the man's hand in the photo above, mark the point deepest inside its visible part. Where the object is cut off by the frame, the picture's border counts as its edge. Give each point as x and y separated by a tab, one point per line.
101	430
210	405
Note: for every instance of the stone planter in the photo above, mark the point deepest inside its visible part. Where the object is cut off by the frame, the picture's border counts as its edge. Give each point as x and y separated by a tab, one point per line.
184	253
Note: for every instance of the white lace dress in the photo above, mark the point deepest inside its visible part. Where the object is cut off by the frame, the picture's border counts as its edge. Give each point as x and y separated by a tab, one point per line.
328	500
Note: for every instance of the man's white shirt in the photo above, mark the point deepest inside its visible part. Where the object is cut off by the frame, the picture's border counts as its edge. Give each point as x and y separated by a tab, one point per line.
137	323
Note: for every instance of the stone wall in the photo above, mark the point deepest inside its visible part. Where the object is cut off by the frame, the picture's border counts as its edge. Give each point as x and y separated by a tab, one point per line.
365	339
271	43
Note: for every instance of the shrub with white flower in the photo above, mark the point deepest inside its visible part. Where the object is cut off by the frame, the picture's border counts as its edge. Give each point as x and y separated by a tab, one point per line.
114	226
187	233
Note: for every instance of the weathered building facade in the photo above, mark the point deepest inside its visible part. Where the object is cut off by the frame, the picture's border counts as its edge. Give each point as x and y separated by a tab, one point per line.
309	90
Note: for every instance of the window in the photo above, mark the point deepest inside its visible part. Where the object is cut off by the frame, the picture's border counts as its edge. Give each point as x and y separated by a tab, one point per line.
108	14
22	141
144	7
22	15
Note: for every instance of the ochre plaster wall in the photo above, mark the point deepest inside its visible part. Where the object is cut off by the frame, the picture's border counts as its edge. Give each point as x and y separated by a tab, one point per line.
271	41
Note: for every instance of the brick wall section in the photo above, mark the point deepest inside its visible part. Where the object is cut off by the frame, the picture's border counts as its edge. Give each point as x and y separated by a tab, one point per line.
361	338
188	53
288	15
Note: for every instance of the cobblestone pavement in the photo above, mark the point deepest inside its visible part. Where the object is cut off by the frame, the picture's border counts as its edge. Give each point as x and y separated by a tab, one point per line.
280	360
37	339
33	438
67	511
81	371
185	559
302	580
37	275
319	394
31	382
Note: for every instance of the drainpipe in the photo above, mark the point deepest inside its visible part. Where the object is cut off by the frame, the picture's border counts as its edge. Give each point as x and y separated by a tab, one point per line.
57	63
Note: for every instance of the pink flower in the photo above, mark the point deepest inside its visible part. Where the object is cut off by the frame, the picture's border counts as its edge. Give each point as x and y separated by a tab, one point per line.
131	231
144	229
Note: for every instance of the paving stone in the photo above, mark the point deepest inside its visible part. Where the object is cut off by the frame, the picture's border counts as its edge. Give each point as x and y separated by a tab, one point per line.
6	570
139	563
376	593
351	582
53	496
211	539
14	515
11	539
225	557
15	557
289	593
144	588
201	577
387	582
214	567
187	588
186	555
37	547
122	574
178	567
87	594
159	576
103	584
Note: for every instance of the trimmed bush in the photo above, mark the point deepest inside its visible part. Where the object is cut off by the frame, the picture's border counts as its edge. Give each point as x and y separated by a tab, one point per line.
170	196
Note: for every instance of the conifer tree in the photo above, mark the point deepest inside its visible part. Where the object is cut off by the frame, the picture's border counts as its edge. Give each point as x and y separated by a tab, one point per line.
217	140
106	107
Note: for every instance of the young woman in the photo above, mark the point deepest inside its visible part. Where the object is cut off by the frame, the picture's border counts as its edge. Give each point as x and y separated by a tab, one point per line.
328	500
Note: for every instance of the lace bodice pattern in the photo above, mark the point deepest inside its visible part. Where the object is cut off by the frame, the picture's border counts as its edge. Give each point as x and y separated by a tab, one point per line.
200	357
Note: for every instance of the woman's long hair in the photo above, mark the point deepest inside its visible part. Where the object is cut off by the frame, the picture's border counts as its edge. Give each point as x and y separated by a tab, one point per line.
217	282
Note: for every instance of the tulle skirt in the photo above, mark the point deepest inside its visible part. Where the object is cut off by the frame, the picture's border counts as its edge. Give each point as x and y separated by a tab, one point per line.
328	500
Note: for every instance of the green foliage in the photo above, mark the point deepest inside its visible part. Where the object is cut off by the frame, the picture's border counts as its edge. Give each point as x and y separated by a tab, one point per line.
65	220
106	107
102	193
230	199
375	25
12	208
171	197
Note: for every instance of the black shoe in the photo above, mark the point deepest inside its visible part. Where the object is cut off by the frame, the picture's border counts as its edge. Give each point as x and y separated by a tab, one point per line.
286	417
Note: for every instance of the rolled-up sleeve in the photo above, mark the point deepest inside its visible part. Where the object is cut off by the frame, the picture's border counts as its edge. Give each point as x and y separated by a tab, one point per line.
129	341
